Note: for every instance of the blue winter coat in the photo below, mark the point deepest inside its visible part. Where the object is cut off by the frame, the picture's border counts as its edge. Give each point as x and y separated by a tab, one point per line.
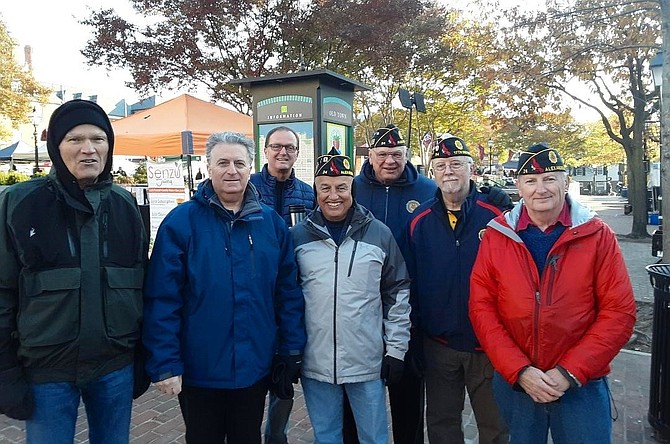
395	203
221	294
440	260
296	192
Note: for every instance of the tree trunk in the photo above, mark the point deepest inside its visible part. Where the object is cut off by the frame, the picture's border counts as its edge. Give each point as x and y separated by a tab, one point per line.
637	192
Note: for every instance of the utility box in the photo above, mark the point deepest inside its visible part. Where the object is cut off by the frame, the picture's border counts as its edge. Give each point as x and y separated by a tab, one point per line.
317	105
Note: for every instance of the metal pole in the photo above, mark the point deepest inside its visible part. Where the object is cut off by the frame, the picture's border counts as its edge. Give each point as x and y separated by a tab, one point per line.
37	160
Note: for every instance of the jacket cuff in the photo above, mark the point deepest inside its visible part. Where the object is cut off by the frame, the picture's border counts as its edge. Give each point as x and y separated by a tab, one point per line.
574	382
395	353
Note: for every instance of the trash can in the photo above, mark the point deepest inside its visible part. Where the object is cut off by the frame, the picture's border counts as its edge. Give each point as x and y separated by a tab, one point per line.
659	385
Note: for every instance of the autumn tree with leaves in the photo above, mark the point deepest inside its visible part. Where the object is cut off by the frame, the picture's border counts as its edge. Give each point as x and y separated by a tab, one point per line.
604	44
19	91
386	44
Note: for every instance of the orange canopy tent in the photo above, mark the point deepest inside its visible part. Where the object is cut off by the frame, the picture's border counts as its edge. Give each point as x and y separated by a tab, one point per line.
162	130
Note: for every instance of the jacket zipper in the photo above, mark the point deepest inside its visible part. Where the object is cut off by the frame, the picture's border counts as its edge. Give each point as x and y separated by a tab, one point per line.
251	251
536	326
552	268
351	262
386	206
105	227
337	250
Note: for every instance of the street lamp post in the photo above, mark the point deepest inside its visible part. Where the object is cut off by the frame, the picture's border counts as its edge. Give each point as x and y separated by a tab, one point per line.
490	144
35	120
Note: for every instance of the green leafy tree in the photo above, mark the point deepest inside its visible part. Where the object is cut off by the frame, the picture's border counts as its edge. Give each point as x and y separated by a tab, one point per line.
19	91
140	175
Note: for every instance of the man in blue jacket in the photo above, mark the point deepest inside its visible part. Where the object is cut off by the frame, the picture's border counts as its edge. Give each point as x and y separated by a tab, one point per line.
276	182
279	188
221	297
443	238
391	188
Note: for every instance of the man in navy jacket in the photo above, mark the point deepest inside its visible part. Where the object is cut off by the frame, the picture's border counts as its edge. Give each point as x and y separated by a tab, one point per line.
276	182
390	186
221	298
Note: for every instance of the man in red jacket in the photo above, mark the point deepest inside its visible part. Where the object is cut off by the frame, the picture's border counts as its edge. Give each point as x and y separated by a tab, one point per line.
552	304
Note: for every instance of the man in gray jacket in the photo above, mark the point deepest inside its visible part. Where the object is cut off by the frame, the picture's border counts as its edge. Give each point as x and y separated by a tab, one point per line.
356	290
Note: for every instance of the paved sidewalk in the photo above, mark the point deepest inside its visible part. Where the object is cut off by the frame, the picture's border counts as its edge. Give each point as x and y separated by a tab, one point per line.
157	419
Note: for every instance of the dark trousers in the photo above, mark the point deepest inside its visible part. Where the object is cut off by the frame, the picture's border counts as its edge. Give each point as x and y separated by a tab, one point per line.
406	401
215	415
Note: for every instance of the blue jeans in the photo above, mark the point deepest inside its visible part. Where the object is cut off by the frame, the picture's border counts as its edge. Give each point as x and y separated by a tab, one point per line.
582	415
368	403
108	401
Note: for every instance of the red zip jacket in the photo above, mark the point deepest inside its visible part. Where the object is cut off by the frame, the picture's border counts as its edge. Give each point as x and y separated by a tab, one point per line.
578	315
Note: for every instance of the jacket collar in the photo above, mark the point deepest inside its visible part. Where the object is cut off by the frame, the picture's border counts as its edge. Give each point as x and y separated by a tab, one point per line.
250	203
361	217
272	180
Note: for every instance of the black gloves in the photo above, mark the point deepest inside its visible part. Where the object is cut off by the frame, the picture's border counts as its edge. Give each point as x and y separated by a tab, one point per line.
285	373
16	395
392	369
497	197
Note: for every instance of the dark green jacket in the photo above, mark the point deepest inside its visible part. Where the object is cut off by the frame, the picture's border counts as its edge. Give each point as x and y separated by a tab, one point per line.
70	280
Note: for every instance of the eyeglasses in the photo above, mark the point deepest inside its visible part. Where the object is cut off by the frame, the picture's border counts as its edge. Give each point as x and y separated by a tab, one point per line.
396	155
456	165
277	147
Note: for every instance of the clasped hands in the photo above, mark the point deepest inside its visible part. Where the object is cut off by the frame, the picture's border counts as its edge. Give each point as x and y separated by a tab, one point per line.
543	387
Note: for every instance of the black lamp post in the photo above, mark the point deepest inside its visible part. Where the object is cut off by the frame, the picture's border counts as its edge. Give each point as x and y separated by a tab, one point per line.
35	120
490	144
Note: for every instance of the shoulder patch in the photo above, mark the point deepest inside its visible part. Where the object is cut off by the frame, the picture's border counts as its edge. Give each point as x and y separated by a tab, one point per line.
411	205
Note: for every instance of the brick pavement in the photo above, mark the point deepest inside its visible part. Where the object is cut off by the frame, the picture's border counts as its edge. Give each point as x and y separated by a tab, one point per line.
156	417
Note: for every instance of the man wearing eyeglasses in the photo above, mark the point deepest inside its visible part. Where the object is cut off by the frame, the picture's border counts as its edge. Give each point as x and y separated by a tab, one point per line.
279	188
442	241
276	182
390	186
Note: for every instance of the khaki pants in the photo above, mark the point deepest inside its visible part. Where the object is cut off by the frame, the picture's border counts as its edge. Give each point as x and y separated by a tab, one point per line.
448	374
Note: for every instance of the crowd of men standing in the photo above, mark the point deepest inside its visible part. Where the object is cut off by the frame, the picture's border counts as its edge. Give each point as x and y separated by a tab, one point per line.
429	288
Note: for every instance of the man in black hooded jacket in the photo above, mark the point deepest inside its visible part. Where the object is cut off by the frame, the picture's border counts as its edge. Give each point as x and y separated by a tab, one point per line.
72	256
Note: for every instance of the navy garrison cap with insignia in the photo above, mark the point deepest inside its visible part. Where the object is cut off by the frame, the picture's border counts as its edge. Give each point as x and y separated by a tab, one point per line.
539	159
450	146
389	137
333	164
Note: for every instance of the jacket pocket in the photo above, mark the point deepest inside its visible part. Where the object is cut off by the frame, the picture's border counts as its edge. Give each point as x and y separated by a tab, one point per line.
49	313
123	300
